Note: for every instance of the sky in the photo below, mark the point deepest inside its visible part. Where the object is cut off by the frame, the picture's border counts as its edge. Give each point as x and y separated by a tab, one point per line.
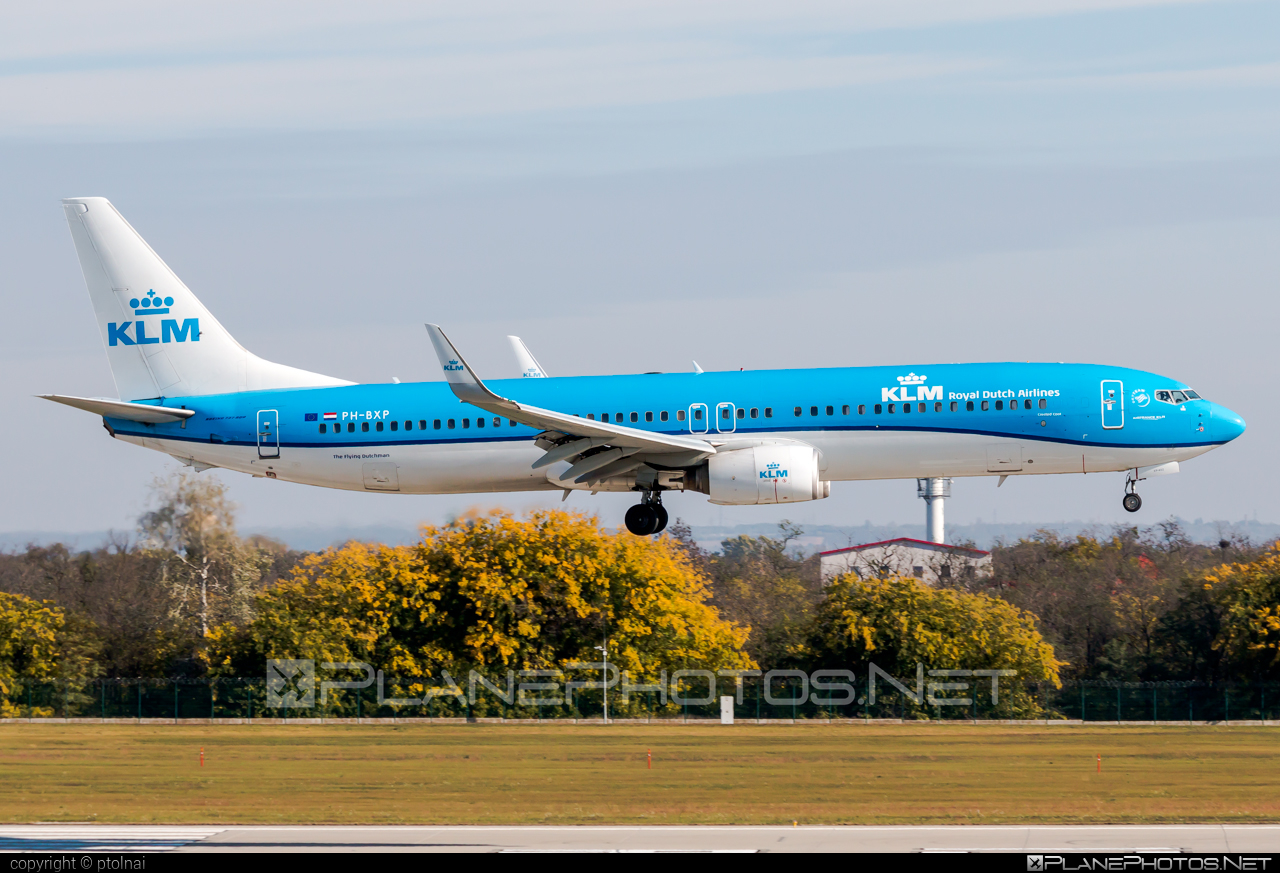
632	186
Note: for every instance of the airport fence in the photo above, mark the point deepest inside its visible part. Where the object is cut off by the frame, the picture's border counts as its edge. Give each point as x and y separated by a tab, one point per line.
786	697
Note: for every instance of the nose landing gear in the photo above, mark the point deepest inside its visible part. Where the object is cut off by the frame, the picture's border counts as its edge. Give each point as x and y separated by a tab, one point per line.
1132	502
647	517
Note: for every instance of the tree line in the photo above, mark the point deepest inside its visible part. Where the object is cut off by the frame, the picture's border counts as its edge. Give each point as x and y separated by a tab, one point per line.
188	597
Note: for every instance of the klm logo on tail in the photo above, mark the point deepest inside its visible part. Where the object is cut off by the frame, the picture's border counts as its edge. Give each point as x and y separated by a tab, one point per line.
170	330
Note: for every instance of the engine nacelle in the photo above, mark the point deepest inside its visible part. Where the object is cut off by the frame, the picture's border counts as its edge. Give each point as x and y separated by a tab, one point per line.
763	474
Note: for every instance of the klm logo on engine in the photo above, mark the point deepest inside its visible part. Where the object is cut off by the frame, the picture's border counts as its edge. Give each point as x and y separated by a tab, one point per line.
454	367
171	331
911	387
773	471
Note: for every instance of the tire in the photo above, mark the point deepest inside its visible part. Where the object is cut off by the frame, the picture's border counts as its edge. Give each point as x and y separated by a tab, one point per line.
1132	502
640	520
660	513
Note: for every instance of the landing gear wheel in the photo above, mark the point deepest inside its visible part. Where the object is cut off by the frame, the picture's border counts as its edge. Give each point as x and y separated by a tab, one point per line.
1132	502
661	514
641	520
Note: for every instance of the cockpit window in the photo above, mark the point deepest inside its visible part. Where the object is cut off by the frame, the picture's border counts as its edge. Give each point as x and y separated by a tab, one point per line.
1191	395
1175	397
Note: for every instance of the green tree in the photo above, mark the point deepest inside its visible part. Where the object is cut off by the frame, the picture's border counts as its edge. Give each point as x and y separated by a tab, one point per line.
38	644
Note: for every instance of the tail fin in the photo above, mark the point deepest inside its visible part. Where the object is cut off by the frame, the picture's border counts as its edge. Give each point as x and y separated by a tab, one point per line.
160	340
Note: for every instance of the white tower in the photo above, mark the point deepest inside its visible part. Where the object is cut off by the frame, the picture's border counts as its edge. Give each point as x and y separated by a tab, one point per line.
934	492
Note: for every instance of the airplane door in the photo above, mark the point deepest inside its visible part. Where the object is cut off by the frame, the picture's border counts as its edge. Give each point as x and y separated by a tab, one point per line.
726	420
1112	404
268	433
698	418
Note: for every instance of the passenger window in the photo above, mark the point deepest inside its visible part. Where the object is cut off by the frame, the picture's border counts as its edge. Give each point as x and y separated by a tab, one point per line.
364	427
697	414
1026	404
679	415
1013	406
591	416
937	407
604	416
968	406
906	407
479	422
813	410
999	404
648	416
452	424
617	416
921	409
878	409
1043	403
422	424
724	412
755	412
511	421
323	429
436	424
955	406
408	425
497	422
635	416
862	409
378	426
844	410
768	412
831	410
892	408
466	422
742	413
798	410
663	415
395	425
986	405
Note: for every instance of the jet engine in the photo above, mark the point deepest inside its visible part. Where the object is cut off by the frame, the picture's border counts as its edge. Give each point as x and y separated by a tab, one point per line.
762	474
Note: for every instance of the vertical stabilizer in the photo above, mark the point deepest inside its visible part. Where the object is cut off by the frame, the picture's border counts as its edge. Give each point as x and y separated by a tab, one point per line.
160	340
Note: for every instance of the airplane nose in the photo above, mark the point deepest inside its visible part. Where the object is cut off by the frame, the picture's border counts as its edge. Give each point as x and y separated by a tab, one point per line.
1226	424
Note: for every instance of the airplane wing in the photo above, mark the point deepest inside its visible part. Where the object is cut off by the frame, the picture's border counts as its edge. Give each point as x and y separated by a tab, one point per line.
612	447
111	408
529	366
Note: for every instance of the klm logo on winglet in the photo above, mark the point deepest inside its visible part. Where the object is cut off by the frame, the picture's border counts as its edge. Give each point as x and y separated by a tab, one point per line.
773	471
453	367
170	330
904	393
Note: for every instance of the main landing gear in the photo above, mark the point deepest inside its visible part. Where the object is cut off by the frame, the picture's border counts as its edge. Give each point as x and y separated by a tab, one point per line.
1132	502
648	516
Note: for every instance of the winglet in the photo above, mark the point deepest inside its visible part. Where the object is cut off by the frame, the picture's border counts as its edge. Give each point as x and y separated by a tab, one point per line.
466	385
529	366
696	368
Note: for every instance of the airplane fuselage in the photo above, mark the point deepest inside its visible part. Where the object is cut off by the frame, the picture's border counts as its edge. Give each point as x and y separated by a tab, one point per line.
948	420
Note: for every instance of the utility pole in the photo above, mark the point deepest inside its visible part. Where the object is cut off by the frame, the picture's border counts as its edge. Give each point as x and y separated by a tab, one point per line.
604	677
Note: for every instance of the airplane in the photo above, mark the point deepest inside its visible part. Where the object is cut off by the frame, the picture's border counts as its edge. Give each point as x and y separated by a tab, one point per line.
187	388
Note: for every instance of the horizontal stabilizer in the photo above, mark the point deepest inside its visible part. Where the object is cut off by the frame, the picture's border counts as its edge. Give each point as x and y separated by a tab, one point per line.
109	408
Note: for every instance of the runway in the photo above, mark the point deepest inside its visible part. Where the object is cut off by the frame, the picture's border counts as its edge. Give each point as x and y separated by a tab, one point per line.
330	839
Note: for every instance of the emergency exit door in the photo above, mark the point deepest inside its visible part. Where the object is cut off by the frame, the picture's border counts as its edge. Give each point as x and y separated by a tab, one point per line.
268	433
1112	404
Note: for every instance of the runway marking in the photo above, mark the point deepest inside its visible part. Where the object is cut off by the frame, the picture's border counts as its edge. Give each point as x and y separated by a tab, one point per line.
100	838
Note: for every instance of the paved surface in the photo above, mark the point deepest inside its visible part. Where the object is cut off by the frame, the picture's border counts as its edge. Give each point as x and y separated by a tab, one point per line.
321	838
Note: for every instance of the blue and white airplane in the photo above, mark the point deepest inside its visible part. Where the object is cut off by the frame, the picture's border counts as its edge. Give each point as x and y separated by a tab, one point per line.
186	388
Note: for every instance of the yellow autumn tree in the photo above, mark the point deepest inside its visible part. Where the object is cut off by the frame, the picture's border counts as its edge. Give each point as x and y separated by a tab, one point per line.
899	622
37	645
492	593
1247	596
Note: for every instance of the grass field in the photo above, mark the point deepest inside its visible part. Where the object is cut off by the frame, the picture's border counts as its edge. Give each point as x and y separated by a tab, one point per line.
597	775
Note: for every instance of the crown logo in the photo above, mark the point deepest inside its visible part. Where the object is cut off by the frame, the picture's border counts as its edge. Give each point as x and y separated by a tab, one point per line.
911	379
772	466
151	304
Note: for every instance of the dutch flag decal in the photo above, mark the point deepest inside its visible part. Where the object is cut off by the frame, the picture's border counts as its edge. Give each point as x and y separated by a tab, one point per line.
330	416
